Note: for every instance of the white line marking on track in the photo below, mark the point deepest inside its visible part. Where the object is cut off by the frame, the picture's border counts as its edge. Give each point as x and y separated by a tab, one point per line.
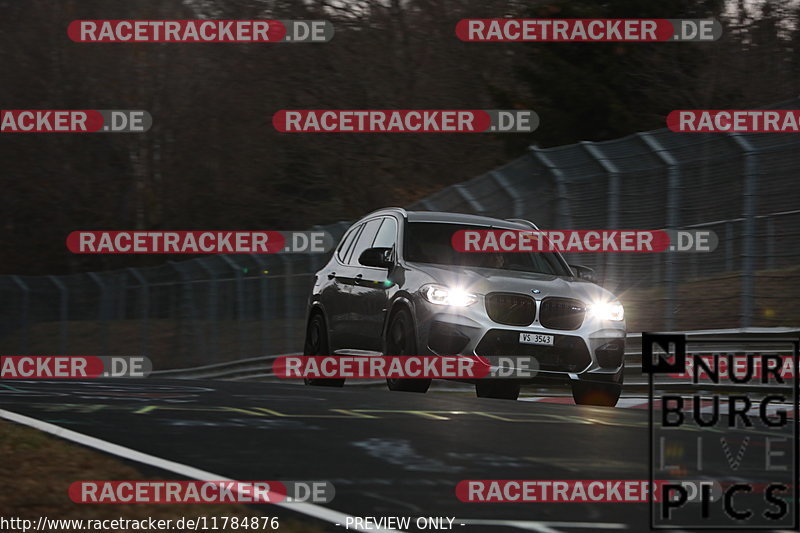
310	509
642	403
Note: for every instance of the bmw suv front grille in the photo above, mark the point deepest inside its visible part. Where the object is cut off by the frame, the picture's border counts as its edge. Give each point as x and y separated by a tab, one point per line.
510	309
561	313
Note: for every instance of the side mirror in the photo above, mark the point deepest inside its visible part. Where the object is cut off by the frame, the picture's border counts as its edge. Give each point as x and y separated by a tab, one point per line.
376	257
584	272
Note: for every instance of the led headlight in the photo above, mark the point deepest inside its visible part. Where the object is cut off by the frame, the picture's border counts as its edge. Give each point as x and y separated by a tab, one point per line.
440	295
607	310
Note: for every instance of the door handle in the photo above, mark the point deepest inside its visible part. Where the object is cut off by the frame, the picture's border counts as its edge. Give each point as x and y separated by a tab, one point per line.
331	275
358	278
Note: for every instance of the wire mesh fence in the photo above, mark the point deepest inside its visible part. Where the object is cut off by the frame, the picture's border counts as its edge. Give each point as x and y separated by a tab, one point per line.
742	187
227	307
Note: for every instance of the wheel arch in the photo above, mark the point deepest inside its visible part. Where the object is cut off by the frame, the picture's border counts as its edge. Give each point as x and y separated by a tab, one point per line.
400	302
316	308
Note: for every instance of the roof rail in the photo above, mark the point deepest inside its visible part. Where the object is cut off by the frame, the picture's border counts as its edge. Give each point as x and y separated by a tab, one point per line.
390	209
523	221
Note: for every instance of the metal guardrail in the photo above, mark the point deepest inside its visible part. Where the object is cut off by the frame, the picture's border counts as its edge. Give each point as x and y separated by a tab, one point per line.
242	369
739	340
633	346
260	368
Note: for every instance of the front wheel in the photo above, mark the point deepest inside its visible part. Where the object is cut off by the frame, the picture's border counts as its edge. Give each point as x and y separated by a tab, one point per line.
317	344
594	393
400	340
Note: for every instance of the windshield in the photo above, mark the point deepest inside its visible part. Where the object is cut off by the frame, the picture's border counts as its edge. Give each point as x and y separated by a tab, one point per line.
430	242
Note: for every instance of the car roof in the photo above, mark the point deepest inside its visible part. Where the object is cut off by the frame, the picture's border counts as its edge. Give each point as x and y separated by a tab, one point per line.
453	218
461	218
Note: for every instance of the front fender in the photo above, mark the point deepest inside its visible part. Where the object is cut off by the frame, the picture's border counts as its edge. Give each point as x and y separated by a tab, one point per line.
401	300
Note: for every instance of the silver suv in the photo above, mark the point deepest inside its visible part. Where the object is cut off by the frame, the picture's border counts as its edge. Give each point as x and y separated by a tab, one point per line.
396	285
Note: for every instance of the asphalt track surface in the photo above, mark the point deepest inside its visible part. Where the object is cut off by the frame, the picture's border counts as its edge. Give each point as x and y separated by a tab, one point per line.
387	453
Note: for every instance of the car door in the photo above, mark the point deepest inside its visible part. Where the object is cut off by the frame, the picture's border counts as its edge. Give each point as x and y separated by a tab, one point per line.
336	288
370	290
351	274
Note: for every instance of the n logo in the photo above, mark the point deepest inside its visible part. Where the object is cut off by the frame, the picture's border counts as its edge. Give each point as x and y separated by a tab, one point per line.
663	353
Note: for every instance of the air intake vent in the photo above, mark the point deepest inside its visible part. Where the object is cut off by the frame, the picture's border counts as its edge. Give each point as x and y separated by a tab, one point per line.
511	309
561	313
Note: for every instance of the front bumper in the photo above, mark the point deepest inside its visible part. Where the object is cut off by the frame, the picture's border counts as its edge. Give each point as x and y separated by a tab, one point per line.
594	351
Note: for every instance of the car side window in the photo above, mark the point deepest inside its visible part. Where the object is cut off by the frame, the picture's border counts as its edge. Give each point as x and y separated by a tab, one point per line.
387	235
364	241
341	253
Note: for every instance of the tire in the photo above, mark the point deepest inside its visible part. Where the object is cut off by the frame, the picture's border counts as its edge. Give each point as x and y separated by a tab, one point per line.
317	344
400	340
596	393
497	388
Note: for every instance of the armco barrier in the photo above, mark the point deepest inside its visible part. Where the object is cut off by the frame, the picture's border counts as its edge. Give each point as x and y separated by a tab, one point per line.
260	368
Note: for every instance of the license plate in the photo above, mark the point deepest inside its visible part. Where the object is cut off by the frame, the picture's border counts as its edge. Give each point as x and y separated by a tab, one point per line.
535	338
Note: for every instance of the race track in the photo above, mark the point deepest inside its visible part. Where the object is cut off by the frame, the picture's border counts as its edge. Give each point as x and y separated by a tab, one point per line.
387	453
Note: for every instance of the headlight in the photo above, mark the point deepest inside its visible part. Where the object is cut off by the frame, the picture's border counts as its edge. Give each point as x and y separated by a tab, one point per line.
607	310
440	295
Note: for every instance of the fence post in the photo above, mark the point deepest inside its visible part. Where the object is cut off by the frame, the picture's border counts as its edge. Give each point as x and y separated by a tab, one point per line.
287	302
213	304
476	206
563	211
673	219
102	313
613	200
517	208
145	299
239	301
264	299
315	259
749	228
428	204
770	242
24	316
63	313
187	302
729	246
